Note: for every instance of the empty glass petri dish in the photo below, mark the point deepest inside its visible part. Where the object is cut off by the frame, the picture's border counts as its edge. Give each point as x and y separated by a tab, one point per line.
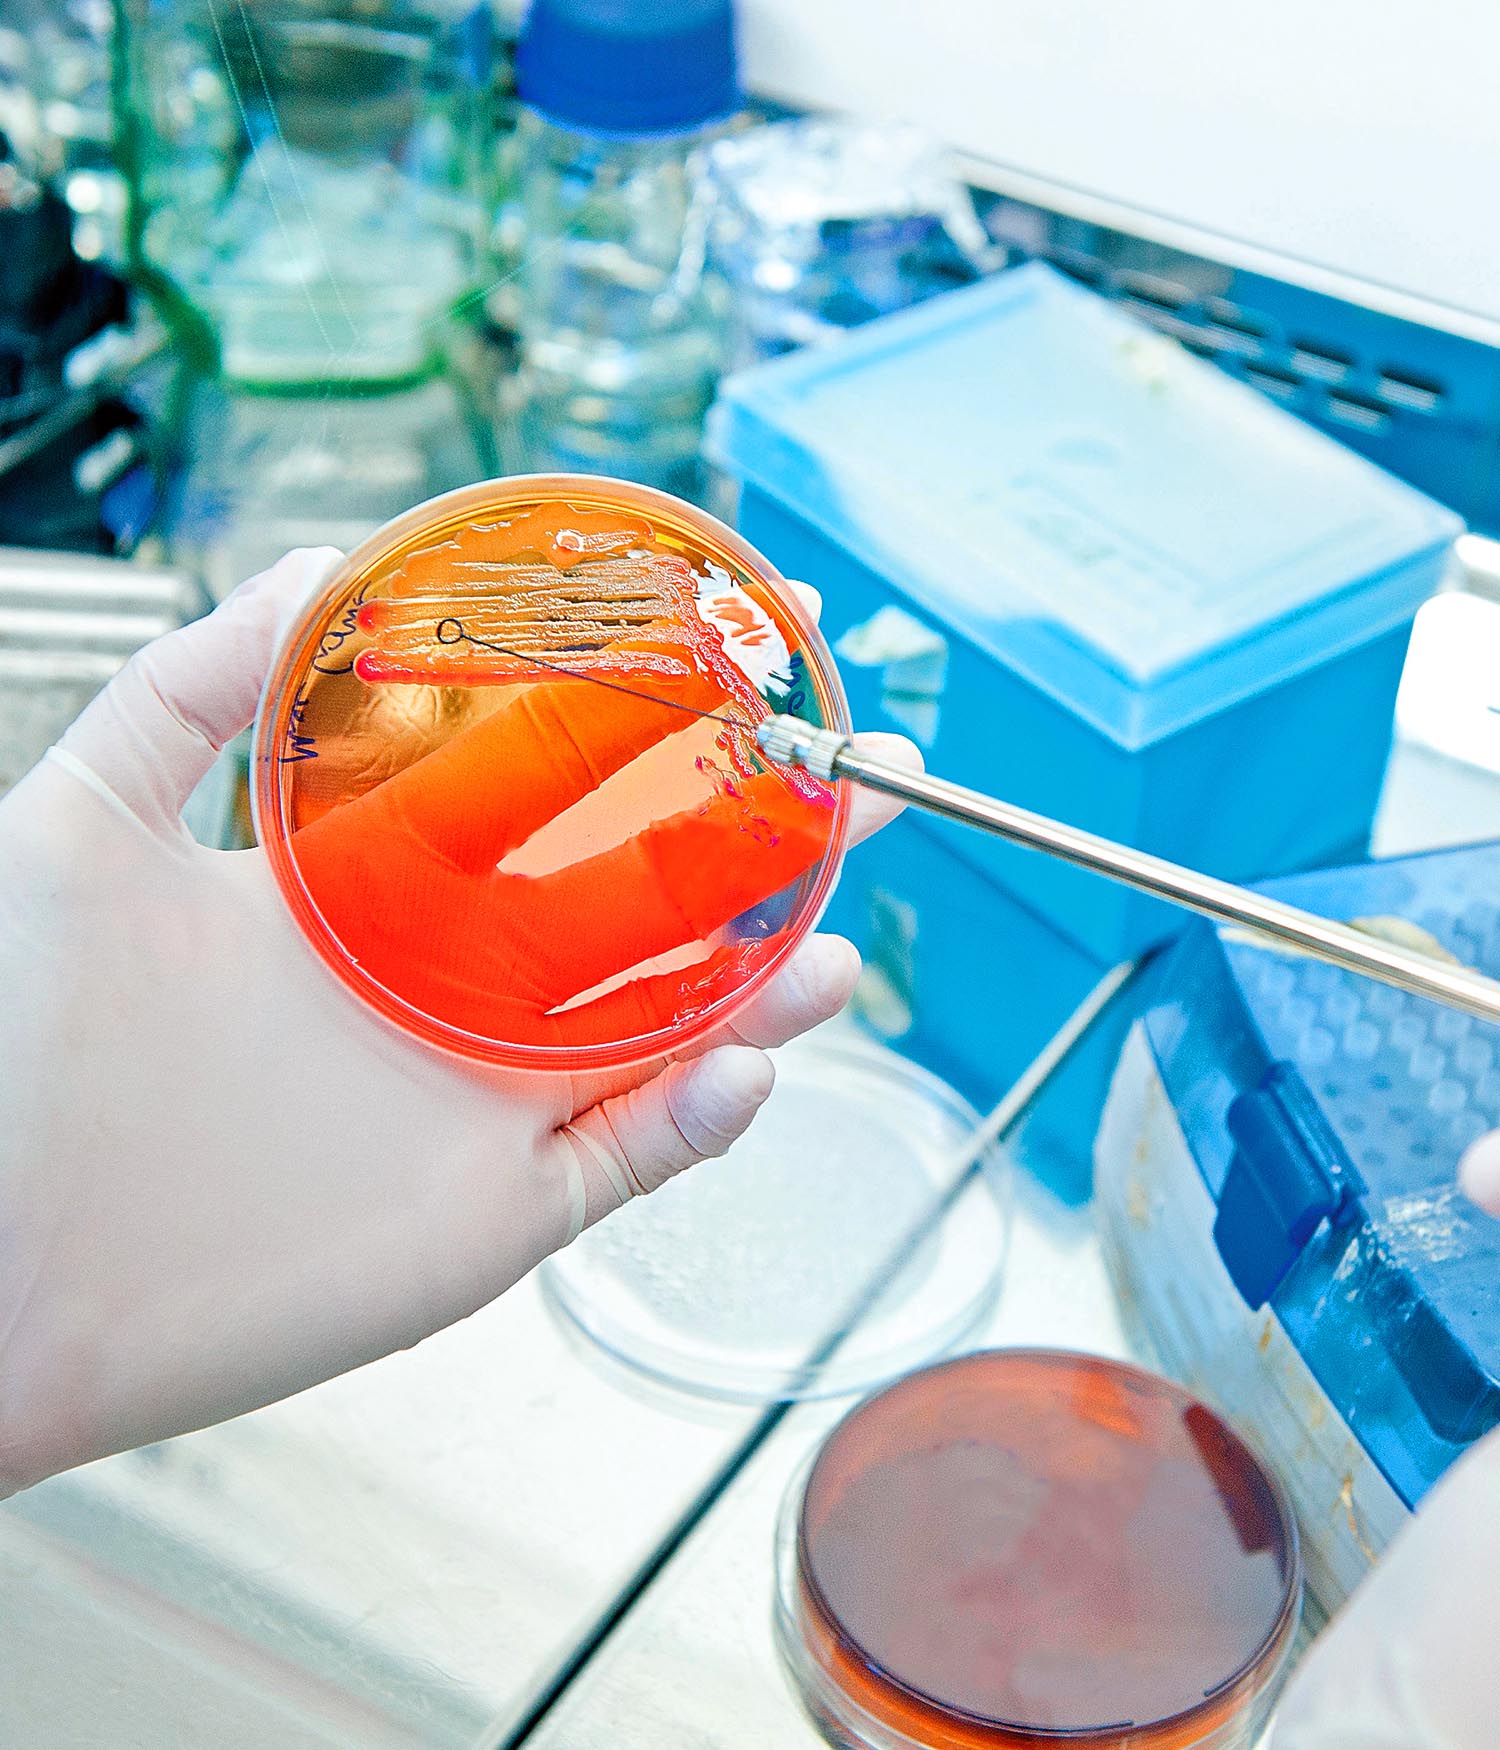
856	1230
506	777
1025	1546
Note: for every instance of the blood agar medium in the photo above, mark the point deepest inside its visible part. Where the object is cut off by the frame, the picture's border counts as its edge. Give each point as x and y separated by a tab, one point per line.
507	780
1024	1546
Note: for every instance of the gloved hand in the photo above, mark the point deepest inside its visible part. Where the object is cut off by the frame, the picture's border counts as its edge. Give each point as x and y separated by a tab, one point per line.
1479	1173
1409	1663
222	1179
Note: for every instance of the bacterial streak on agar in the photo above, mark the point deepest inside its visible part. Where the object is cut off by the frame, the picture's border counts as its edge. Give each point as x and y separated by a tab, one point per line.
627	616
451	631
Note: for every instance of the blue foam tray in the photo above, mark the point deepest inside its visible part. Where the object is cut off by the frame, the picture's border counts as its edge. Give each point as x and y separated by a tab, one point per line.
1327	1115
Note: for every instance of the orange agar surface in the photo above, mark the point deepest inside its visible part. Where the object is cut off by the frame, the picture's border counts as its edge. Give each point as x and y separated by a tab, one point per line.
512	860
1023	1546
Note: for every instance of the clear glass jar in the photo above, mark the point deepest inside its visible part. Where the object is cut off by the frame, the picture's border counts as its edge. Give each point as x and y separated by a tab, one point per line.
55	111
304	173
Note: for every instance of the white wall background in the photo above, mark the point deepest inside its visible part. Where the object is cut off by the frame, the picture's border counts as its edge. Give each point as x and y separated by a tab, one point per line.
1358	135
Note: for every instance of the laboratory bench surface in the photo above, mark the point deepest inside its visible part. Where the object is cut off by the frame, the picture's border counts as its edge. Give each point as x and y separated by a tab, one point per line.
417	1554
494	1539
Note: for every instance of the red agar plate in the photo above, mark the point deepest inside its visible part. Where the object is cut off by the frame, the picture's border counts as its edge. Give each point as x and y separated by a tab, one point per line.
506	777
1027	1546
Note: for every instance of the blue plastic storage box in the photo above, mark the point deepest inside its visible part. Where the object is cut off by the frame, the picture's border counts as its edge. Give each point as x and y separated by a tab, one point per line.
1276	1182
1095	576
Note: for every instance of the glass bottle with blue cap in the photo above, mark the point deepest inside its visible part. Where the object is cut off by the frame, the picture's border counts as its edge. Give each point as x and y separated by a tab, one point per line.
620	333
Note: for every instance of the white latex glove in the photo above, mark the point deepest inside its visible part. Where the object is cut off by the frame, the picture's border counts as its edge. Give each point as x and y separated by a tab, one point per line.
1479	1173
222	1179
1409	1663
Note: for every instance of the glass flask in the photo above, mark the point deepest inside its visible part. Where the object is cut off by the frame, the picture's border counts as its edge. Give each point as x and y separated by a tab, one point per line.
305	173
273	472
56	111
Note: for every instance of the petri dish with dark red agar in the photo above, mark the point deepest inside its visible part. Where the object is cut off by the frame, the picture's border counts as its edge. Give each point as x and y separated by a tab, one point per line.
506	776
1022	1547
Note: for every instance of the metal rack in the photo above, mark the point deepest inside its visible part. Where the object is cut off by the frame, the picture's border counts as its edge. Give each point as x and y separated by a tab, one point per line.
1411	384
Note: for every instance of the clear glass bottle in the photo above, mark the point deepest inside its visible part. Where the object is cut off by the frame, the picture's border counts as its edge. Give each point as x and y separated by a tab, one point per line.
621	331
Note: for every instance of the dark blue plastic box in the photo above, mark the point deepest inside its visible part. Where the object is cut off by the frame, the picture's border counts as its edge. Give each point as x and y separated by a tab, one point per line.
1326	1116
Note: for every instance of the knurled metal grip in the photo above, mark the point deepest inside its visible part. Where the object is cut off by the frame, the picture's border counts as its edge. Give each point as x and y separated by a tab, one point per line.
792	742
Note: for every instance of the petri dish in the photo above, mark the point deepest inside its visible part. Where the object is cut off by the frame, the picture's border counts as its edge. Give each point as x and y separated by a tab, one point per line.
728	1280
1025	1546
506	778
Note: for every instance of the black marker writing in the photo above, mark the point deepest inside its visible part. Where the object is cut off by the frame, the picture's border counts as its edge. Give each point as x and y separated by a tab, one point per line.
302	745
797	698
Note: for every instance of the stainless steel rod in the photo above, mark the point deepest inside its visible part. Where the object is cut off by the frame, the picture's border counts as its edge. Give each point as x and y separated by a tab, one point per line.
830	755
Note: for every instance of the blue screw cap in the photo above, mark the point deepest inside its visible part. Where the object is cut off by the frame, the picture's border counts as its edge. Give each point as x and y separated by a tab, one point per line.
623	67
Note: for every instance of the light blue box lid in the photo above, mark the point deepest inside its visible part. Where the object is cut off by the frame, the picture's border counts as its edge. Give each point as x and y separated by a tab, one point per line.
1136	533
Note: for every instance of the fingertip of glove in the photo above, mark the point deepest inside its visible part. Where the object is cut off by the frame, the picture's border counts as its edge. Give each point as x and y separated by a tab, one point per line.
1479	1173
811	599
288	583
898	750
827	971
719	1093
